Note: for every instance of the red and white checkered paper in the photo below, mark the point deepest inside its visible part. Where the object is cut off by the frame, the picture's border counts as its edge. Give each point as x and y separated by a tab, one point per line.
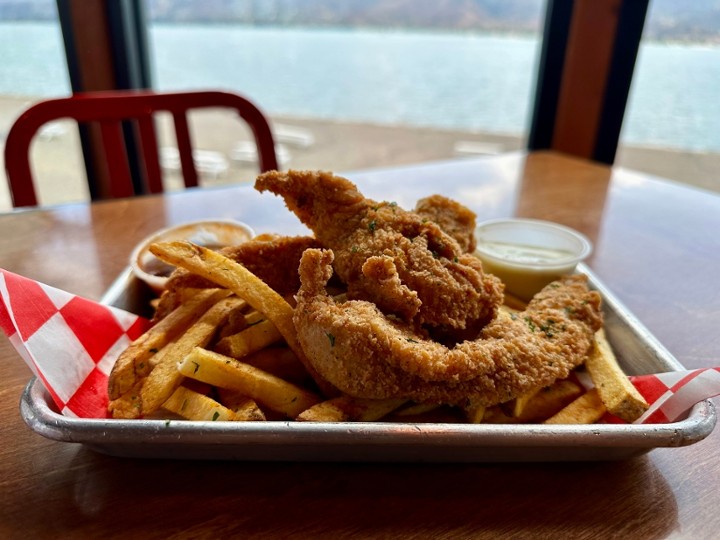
71	344
672	394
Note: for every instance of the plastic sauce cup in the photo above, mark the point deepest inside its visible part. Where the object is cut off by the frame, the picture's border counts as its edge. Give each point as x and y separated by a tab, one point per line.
213	234
527	254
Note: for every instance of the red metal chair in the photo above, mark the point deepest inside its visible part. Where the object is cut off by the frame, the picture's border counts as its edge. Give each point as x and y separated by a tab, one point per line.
110	110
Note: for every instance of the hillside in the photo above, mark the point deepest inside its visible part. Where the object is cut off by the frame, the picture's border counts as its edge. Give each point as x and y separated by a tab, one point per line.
698	20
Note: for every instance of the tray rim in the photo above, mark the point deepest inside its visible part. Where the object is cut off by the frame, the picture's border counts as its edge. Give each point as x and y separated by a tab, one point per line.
38	412
120	437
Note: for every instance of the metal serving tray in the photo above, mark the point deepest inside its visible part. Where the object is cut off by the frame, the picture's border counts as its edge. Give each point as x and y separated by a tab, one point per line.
637	350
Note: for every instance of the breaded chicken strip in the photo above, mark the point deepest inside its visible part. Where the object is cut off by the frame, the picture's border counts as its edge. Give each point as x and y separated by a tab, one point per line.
366	354
452	217
404	263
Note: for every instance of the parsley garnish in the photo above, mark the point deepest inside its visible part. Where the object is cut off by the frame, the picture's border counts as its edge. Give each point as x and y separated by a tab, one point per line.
548	327
331	338
411	340
216	415
530	324
371	226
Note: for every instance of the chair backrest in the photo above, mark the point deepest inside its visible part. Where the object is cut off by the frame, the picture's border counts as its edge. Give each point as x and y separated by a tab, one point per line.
110	110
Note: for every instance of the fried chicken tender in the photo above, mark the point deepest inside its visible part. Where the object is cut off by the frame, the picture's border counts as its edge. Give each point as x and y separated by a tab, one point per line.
402	262
369	355
452	217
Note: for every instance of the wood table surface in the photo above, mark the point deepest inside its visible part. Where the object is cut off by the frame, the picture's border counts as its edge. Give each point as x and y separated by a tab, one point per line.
657	247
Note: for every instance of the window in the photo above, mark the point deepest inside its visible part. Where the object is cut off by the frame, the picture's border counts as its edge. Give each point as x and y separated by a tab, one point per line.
352	84
33	67
672	121
357	84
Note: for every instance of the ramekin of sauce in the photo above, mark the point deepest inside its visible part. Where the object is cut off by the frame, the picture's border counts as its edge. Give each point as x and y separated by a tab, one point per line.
527	254
212	234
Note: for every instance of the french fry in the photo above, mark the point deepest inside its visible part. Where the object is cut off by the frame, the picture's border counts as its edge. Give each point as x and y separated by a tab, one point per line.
128	405
134	362
350	409
497	415
245	409
165	378
475	413
544	402
225	372
235	323
415	409
281	362
198	386
231	275
258	335
587	409
194	406
616	391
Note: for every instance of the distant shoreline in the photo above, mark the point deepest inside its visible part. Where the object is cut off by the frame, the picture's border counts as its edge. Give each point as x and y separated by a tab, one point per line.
500	31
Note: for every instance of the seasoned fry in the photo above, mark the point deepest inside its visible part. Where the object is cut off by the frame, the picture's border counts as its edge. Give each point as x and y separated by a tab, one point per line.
497	415
237	322
194	406
545	402
226	372
165	378
227	273
587	409
616	391
128	405
231	275
415	409
281	362
245	409
258	335
349	409
475	413
134	363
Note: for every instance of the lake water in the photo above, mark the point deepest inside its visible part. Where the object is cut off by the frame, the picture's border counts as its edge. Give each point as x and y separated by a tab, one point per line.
473	82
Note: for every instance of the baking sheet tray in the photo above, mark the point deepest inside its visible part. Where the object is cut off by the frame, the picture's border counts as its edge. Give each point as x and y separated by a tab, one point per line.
637	350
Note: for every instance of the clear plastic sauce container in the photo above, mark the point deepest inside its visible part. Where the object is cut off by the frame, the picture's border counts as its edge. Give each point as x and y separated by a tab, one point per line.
527	254
213	234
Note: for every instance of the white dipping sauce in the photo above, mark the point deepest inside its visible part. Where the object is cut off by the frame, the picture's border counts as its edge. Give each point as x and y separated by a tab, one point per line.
528	254
525	254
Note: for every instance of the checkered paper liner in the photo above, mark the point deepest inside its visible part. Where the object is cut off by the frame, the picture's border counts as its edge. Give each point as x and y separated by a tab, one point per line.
71	344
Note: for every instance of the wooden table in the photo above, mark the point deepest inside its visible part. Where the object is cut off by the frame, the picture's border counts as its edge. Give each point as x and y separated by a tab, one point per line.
656	246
